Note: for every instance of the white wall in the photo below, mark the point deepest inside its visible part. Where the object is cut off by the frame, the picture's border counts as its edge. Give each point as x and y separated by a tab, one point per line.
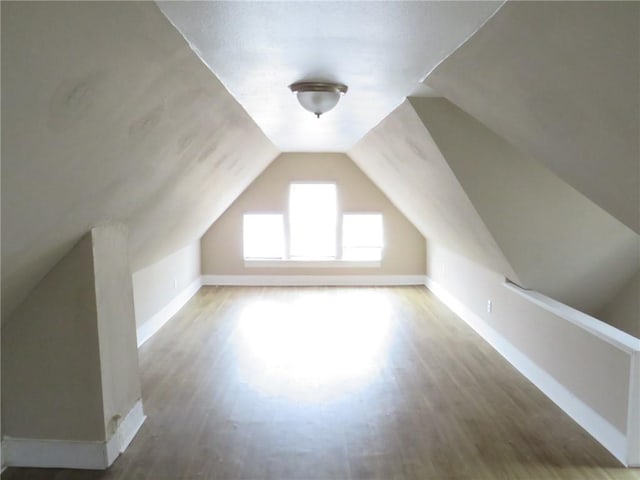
116	325
623	311
50	357
558	241
162	288
588	376
222	254
107	113
559	81
72	395
403	160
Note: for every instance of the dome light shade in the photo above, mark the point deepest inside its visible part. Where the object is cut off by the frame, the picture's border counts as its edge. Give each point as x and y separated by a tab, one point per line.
318	97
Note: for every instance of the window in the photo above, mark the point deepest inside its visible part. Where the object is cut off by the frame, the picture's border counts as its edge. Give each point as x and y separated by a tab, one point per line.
362	237
313	232
263	236
313	212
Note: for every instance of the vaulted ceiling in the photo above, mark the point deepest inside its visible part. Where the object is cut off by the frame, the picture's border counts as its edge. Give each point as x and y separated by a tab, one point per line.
158	116
380	50
561	81
107	115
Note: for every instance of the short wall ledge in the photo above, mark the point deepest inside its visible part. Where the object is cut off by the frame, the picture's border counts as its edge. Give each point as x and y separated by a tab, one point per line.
625	446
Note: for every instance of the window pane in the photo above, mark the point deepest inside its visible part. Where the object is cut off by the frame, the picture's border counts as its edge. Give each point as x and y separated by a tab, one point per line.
312	220
362	253
263	236
362	236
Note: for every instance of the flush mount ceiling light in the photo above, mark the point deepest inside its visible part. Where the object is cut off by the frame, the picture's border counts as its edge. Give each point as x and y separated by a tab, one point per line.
318	97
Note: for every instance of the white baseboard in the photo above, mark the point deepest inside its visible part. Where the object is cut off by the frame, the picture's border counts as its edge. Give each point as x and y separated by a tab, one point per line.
21	452
98	455
156	322
599	428
312	280
120	440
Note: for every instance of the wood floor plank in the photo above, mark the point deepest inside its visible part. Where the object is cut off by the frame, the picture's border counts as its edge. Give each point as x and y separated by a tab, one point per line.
249	383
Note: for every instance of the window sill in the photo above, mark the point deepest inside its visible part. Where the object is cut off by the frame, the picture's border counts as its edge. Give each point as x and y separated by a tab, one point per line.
312	263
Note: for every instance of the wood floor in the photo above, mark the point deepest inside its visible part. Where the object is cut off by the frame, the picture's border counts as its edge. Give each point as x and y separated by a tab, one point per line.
339	383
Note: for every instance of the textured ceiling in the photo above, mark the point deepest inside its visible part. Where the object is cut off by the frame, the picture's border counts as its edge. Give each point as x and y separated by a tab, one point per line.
381	50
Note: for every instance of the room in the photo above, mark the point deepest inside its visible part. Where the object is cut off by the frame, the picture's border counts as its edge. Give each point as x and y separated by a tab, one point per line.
492	149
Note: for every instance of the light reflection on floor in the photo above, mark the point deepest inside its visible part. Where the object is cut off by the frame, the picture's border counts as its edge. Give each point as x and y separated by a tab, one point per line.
315	348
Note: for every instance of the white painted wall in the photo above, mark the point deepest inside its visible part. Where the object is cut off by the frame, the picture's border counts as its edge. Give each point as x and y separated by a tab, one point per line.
72	395
50	357
559	80
558	241
116	325
222	244
623	311
108	115
402	159
162	288
589	377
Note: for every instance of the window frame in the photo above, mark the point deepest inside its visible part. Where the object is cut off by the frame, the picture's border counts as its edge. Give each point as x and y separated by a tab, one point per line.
382	233
330	262
283	232
337	219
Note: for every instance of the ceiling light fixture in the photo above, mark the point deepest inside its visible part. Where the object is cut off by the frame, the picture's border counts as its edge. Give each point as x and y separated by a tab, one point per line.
318	97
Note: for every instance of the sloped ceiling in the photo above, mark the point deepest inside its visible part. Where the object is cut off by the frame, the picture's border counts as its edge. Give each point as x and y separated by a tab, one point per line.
380	50
559	80
107	115
558	241
401	158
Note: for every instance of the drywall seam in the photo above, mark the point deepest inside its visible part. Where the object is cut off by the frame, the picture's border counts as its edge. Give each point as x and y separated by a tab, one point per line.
633	420
99	455
599	428
157	321
312	280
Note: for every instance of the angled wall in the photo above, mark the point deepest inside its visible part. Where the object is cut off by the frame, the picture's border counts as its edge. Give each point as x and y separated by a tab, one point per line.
71	388
558	241
402	159
559	80
51	357
108	115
